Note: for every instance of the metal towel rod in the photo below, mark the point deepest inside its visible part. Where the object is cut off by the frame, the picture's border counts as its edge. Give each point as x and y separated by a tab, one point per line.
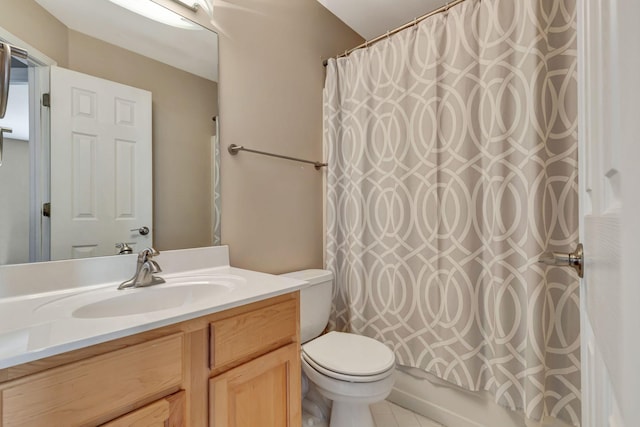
234	149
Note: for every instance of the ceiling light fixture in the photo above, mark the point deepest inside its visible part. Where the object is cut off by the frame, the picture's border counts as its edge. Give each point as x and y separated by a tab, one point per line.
193	6
197	5
152	10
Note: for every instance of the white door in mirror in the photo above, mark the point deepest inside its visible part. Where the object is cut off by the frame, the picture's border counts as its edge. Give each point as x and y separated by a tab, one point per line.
100	165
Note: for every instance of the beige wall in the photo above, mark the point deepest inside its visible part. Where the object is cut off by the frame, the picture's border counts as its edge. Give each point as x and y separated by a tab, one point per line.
271	79
31	23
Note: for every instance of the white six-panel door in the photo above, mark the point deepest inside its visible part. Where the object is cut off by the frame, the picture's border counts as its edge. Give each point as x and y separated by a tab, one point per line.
100	165
609	135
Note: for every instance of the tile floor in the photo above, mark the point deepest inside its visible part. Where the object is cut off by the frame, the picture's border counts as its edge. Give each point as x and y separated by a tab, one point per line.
387	414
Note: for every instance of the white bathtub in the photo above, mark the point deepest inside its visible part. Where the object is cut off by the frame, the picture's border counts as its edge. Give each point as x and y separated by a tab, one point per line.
451	406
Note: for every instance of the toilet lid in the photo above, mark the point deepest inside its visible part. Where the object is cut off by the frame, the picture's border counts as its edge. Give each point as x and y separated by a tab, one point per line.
349	354
343	377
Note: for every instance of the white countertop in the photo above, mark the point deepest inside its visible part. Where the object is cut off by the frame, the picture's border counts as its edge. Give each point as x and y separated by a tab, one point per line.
34	325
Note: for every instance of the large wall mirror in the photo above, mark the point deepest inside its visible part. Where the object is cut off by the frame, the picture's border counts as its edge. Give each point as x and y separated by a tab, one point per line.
125	149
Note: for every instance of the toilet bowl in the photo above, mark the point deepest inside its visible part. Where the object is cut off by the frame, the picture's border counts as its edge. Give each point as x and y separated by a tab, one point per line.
352	371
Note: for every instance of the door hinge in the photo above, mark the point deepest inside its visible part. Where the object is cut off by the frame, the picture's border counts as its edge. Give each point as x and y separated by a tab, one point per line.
46	209
46	99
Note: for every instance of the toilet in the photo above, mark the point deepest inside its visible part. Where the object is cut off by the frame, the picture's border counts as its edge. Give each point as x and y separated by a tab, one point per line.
351	371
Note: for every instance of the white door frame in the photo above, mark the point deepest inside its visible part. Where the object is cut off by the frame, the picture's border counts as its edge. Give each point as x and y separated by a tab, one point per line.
39	189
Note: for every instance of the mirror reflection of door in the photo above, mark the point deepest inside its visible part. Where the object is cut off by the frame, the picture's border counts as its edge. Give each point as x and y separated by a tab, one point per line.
100	161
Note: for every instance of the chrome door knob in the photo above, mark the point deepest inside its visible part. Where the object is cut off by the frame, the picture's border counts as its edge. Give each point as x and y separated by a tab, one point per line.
142	230
574	259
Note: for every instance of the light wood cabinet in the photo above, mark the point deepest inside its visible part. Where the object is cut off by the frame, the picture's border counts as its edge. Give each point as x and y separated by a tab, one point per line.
240	365
253	333
264	392
87	391
167	412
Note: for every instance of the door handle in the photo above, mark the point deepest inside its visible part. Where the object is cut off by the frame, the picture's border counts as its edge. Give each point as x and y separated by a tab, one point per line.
574	259
142	230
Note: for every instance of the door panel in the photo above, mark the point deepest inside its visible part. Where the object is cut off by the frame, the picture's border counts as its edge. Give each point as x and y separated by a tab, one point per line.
100	165
610	207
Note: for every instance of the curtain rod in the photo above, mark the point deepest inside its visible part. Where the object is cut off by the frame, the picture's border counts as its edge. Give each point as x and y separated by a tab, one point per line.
234	149
368	43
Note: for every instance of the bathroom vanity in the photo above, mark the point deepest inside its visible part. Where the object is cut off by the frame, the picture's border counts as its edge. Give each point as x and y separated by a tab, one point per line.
231	361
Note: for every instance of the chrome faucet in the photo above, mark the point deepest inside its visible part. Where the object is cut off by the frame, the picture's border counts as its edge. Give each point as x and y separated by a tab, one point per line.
145	270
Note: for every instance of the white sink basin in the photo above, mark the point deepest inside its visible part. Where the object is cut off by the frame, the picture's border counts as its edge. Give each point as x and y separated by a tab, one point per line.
176	292
148	300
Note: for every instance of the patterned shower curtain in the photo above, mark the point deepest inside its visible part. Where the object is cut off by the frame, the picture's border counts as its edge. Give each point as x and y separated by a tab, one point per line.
452	150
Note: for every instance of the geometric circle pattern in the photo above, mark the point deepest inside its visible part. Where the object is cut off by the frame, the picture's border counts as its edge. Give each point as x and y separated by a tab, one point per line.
452	151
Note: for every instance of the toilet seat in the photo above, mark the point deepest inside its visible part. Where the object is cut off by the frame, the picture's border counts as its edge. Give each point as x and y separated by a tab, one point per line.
349	357
345	377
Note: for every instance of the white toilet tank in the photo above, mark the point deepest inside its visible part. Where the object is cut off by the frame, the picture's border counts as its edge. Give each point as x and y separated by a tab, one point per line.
315	301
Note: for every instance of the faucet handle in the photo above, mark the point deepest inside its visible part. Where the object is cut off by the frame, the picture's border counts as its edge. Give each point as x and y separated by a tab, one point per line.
146	254
154	267
149	253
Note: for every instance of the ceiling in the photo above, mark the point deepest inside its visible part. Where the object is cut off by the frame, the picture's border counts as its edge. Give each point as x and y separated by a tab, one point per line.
371	18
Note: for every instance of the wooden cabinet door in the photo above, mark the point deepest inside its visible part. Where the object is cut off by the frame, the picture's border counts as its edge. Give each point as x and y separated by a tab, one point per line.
264	392
167	412
93	390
